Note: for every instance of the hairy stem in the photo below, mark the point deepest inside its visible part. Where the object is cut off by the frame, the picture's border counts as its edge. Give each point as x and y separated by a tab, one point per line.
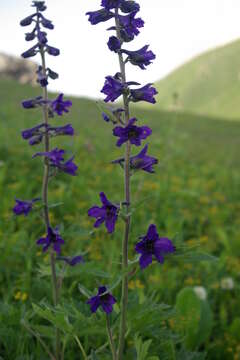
124	299
45	200
28	328
110	338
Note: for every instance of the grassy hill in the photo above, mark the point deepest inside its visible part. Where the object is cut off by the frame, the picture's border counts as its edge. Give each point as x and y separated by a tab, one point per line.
208	84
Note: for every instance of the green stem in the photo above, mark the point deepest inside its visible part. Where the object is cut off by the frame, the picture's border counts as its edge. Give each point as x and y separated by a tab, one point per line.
81	347
110	338
100	349
45	200
124	298
28	328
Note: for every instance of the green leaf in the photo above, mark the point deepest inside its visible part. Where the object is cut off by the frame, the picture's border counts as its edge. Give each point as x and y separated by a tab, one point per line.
90	269
84	291
57	318
194	318
55	205
141	347
196	257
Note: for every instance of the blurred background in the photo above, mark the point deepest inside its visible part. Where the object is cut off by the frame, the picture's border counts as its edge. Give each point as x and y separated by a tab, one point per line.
194	196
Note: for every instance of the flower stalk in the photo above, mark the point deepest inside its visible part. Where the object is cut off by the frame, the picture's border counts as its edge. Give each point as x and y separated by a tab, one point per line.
110	339
127	190
53	160
126	27
45	200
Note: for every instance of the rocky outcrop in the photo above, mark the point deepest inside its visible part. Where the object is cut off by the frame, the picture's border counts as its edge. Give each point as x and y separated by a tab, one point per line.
23	71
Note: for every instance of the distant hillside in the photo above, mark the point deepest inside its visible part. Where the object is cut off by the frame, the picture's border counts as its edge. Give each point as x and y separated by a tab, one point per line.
209	84
195	137
21	70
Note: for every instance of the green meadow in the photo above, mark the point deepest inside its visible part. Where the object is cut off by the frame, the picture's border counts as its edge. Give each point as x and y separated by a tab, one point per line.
194	198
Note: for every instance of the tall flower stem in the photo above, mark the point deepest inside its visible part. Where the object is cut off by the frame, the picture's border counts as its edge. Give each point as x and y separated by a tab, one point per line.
45	200
110	337
124	298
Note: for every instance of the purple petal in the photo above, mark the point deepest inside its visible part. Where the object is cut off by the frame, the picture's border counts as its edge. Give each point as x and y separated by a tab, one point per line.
94	303
110	224
96	212
103	198
99	222
145	260
107	308
152	232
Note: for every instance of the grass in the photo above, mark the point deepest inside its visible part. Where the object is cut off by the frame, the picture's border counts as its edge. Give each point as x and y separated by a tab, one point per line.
194	198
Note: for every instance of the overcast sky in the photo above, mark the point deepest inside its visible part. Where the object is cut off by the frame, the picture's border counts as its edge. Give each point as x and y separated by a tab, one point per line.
177	30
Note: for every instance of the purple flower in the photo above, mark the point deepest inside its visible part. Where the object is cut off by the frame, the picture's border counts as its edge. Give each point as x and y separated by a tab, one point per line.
46	23
69	167
30	52
111	4
140	162
28	133
59	106
27	21
42	38
52	74
61	130
129	6
103	299
140	57
143	162
34	135
131	25
71	261
53	239
134	134
152	245
114	115
32	103
145	93
35	140
95	17
105	117
56	159
23	207
113	88
52	50
114	44
55	155
40	5
108	213
30	36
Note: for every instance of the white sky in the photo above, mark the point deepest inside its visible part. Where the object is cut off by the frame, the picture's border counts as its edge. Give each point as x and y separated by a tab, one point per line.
176	30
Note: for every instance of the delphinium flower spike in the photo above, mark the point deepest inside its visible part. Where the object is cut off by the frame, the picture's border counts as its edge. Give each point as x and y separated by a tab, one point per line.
127	26
53	159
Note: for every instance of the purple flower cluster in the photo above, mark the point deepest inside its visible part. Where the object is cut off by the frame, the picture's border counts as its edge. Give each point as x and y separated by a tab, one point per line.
43	132
39	34
127	26
35	135
56	160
